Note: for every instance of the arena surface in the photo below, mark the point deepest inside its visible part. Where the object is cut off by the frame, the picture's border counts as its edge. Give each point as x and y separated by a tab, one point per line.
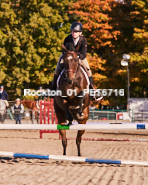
50	172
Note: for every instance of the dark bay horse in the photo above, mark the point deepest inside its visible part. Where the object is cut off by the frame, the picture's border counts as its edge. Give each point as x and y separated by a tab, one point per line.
75	105
30	104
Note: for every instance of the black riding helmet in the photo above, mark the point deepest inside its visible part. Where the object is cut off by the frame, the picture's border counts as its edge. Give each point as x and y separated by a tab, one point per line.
76	26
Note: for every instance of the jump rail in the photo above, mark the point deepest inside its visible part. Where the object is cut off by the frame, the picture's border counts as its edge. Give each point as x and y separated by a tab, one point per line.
108	139
72	127
71	158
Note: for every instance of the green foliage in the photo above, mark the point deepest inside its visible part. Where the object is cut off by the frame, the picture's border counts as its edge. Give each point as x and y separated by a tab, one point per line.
30	40
32	32
27	97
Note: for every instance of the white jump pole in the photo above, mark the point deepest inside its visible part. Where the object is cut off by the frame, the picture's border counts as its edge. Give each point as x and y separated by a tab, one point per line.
72	127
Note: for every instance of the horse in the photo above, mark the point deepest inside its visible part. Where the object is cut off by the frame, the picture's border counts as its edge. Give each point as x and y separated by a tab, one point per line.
3	112
74	106
30	104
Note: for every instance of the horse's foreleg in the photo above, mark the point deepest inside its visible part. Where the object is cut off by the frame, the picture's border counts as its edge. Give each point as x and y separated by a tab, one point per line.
78	140
80	110
30	112
36	115
68	114
64	140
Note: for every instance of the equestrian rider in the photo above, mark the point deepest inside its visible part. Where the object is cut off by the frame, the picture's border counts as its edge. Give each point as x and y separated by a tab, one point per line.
77	39
4	96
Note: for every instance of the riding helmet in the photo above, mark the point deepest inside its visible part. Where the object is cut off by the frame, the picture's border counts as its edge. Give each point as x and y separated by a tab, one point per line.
40	88
76	26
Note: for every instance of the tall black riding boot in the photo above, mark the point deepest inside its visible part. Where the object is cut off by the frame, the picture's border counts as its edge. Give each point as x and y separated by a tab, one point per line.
54	82
91	86
96	97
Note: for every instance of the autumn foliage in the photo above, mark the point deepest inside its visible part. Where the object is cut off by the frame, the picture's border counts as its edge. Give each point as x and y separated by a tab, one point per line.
112	29
32	32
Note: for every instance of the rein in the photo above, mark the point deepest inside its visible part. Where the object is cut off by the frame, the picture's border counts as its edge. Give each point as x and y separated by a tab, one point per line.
71	52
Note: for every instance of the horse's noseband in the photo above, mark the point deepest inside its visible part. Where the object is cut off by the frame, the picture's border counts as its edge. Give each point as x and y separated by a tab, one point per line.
70	70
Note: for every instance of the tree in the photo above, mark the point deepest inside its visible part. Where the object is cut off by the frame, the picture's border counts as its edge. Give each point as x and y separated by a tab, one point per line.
139	52
102	34
30	40
112	29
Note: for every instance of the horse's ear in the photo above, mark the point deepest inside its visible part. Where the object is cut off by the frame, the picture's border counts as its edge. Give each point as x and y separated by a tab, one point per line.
77	48
64	47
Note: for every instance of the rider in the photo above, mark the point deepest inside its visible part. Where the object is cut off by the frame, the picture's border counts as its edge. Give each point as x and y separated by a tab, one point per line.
77	39
4	96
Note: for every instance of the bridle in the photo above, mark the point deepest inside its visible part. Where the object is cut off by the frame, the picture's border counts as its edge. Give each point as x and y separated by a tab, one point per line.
71	70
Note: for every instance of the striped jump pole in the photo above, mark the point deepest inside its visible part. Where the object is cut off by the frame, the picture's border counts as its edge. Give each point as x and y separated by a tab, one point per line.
72	127
71	158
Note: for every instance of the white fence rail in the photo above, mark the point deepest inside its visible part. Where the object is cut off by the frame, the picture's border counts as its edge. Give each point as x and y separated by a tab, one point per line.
133	116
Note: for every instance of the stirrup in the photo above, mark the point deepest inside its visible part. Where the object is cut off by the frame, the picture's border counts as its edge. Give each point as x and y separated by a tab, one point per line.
97	97
94	98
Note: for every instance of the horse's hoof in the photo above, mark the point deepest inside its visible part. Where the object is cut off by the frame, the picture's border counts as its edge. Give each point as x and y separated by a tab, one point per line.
80	113
69	118
70	123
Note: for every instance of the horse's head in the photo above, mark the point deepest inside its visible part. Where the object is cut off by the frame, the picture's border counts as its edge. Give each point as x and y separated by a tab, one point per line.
71	62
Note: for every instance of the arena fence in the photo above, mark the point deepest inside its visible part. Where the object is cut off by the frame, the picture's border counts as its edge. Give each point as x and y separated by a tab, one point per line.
102	115
25	115
141	116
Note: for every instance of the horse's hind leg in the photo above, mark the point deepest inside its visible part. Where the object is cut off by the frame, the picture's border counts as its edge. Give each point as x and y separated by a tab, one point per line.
64	140
3	117
78	140
36	116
